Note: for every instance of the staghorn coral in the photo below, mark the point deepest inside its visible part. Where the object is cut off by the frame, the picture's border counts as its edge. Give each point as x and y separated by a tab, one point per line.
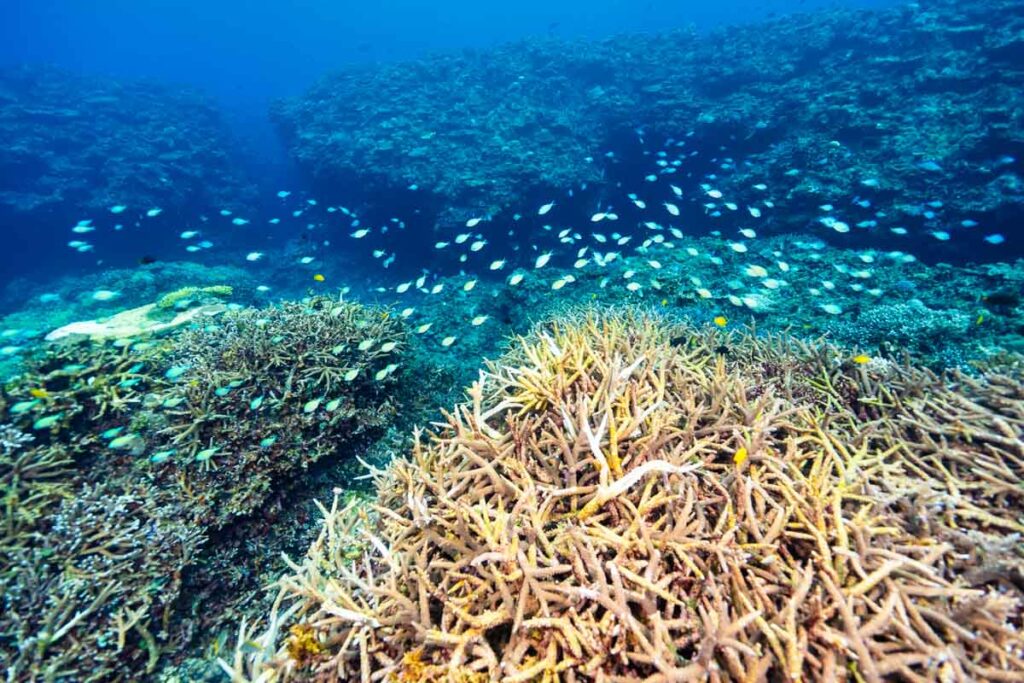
116	556
90	599
623	499
91	553
89	571
305	379
184	295
77	388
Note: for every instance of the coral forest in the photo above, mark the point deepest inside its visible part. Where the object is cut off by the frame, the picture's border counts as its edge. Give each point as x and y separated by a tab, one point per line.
622	498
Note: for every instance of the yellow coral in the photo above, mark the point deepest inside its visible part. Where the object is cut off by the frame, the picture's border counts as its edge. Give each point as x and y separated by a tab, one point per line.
584	514
172	299
303	645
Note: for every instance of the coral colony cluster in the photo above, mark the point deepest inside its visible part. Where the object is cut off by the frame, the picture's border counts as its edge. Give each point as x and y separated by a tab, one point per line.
128	463
623	498
82	143
890	104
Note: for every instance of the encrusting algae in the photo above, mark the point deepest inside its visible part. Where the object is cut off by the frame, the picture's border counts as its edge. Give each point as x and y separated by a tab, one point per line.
587	515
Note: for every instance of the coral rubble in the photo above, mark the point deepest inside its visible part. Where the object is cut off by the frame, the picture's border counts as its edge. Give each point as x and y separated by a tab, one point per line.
623	498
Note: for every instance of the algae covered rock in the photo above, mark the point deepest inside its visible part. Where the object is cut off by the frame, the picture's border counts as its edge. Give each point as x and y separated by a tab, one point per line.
171	311
135	322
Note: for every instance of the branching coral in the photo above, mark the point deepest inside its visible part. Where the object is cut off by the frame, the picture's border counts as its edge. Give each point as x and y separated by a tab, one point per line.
89	599
624	500
127	466
180	296
304	378
89	572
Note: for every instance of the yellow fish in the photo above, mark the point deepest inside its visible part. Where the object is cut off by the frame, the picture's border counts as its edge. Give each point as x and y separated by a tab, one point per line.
664	302
721	320
319	278
39	393
980	320
740	457
861	359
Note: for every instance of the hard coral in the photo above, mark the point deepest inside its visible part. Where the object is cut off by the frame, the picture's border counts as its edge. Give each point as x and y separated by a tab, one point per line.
624	499
268	392
91	572
813	104
178	296
129	467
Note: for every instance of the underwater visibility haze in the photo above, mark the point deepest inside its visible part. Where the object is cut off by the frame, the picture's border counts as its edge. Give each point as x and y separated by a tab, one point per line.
537	341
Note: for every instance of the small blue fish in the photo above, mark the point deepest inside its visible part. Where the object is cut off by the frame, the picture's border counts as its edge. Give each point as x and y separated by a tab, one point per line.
206	454
161	456
47	422
23	407
124	442
176	372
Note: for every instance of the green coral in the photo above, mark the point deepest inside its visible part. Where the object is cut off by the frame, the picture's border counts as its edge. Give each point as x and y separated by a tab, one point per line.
129	470
266	391
175	298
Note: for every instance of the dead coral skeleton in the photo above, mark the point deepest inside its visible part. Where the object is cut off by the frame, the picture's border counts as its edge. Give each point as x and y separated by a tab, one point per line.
618	502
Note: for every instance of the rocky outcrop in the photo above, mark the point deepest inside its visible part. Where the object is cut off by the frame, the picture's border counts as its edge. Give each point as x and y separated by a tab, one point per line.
75	144
913	108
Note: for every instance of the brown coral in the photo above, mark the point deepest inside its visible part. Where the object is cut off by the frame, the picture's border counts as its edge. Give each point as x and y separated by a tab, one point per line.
619	501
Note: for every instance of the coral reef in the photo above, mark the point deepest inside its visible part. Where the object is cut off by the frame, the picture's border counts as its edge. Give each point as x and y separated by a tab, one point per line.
129	469
305	378
914	107
83	144
182	297
886	303
32	309
622	497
